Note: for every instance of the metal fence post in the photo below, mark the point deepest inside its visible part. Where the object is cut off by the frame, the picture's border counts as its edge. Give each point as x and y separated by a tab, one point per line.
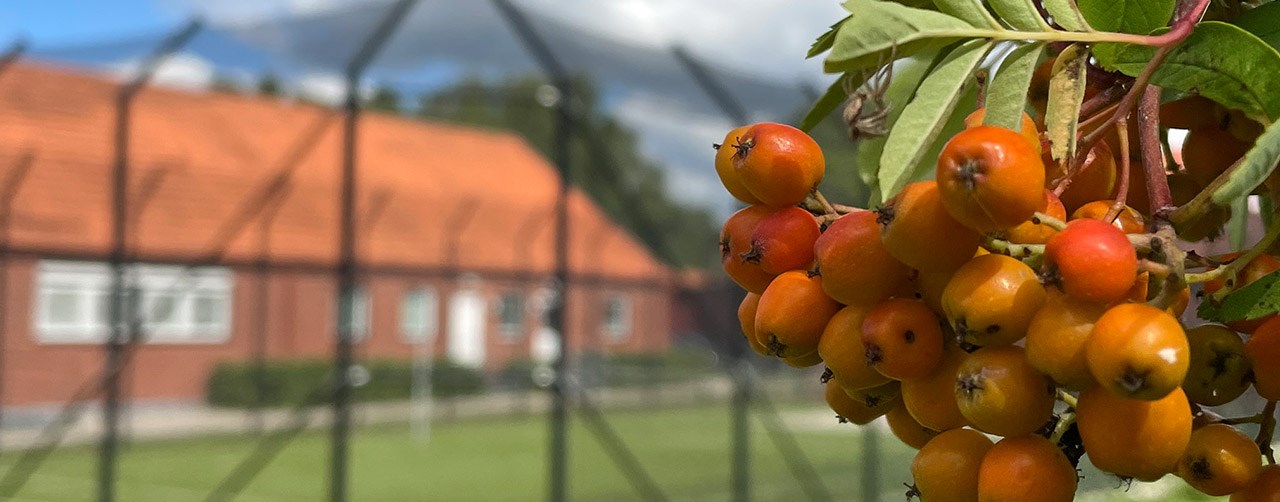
347	264
122	330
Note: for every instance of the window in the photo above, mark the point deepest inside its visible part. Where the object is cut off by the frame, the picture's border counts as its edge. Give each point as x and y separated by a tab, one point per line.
359	328
510	311
418	315
617	317
178	304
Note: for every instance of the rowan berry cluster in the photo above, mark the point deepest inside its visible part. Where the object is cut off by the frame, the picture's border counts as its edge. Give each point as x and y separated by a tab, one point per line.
970	306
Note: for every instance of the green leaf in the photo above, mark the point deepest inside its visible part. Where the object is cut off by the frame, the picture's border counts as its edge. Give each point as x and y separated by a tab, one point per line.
1221	62
1264	22
824	41
1255	300
971	11
1020	14
878	28
826	104
1254	168
1066	91
907	75
1125	16
1066	14
924	117
1006	97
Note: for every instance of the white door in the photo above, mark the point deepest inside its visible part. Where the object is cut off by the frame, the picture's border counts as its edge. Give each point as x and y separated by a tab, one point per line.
466	328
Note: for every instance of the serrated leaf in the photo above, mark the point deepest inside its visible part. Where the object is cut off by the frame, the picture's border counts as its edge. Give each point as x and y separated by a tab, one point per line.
1020	14
1066	91
1219	61
1255	300
1066	15
875	29
1262	21
907	74
830	100
1254	168
971	11
824	41
924	117
1006	97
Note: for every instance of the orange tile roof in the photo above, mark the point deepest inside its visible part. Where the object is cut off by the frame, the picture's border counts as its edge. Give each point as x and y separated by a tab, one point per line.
210	171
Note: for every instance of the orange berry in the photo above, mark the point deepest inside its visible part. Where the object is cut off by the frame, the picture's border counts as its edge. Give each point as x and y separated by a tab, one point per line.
1056	339
931	400
1220	460
919	231
902	338
735	241
792	313
1091	260
990	178
946	469
907	429
1030	232
1026	468
779	164
859	411
747	320
855	266
1000	393
725	169
1264	488
841	348
991	299
1028	128
1128	220
783	240
1218	370
1134	438
1138	351
1263	351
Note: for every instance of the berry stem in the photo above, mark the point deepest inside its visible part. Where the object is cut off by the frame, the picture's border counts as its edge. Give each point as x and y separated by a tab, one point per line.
1122	188
1067	398
822	202
1266	430
1040	218
1064	423
1004	247
1236	265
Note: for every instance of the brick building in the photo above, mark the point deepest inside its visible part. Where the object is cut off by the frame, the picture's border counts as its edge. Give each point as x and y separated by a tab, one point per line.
233	224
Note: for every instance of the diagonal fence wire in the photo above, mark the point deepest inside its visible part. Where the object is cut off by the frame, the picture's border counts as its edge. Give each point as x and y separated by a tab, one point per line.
639	478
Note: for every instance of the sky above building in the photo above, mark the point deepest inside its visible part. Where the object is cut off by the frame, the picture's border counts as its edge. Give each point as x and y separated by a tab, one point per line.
761	38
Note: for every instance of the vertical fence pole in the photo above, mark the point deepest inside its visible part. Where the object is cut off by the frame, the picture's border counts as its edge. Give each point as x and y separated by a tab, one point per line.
347	264
558	483
6	59
122	329
12	183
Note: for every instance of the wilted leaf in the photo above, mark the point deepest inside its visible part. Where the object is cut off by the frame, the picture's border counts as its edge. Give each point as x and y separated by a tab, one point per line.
1221	62
1006	97
1020	14
1066	91
1066	14
924	117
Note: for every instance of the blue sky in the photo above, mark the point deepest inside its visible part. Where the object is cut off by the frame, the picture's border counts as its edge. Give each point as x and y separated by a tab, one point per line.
57	22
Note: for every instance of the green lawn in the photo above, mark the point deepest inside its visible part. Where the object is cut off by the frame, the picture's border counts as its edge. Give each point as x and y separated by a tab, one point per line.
685	450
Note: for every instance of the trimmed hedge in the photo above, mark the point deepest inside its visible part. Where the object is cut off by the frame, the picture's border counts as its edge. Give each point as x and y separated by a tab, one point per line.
291	382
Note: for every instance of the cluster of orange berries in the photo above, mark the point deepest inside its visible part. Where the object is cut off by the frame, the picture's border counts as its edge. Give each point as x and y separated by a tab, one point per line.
965	307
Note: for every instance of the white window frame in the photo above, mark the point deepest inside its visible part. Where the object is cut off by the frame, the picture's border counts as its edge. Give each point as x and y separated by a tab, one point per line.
90	282
618	330
423	329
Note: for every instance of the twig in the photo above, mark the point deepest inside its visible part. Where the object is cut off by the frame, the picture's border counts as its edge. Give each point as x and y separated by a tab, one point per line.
1158	195
826	206
1004	247
1122	187
1064	423
1266	430
1067	398
1040	218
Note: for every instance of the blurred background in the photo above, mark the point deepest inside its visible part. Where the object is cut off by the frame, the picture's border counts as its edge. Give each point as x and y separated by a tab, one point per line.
394	250
400	250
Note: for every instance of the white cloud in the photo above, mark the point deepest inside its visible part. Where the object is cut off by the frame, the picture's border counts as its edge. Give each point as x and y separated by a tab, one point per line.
180	71
328	88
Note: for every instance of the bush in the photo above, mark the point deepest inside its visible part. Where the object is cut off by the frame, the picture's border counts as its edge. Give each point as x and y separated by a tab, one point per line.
291	382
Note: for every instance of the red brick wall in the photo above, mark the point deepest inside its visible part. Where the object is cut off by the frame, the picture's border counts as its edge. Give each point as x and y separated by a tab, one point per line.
300	324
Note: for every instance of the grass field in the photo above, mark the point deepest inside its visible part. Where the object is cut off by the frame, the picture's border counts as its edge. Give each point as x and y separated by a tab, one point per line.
684	449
